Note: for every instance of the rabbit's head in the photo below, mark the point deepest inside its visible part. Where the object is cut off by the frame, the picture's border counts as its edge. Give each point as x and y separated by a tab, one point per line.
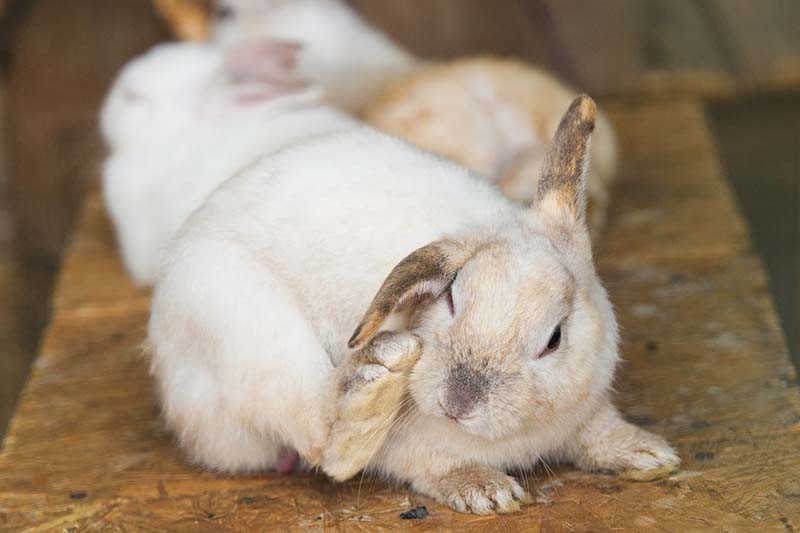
158	89
517	330
176	85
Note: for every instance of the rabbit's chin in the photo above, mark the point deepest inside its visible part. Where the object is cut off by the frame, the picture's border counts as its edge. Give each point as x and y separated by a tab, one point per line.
488	428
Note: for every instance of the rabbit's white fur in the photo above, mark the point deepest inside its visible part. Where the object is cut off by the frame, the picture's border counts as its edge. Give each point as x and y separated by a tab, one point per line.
177	128
252	311
341	52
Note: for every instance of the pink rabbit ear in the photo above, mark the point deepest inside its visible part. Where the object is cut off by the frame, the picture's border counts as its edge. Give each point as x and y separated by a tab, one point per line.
270	61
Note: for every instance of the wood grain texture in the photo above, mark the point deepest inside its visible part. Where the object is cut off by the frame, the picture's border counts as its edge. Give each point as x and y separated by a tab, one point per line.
56	62
706	367
660	46
444	29
762	40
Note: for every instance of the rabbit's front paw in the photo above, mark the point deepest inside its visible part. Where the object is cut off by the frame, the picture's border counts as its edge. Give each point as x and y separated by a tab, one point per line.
371	386
609	443
480	490
646	457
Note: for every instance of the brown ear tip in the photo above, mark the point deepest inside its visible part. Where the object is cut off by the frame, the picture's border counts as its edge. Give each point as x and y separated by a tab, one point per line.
585	107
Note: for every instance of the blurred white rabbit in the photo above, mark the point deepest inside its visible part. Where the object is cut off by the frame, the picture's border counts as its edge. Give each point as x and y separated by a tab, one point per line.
341	52
493	115
183	118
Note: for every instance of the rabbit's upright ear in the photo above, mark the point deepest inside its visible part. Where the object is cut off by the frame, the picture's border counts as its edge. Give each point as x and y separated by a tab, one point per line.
562	187
428	271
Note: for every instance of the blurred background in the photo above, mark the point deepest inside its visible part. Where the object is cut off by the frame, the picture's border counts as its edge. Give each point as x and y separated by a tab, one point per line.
741	57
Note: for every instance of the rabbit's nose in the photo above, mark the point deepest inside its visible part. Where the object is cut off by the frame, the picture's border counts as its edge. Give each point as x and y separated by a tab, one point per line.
459	403
465	388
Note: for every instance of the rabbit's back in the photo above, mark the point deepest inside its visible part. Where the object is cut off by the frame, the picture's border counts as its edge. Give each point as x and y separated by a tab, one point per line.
334	215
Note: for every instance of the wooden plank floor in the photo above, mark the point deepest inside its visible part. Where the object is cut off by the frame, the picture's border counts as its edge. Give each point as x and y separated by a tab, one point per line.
706	367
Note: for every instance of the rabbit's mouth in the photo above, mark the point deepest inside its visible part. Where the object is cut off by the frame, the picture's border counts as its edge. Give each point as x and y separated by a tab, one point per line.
460	420
470	425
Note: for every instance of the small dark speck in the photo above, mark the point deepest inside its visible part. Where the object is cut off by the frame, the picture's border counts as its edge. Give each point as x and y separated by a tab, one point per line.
77	495
704	456
415	513
118	336
248	499
72	529
677	279
700	424
210	515
320	516
652	346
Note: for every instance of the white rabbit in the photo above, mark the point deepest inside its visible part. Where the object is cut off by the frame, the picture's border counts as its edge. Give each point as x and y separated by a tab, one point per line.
489	345
181	119
493	115
341	52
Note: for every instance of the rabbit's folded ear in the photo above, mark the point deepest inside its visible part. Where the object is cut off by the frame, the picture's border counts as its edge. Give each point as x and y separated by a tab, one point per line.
562	187
258	73
428	271
272	61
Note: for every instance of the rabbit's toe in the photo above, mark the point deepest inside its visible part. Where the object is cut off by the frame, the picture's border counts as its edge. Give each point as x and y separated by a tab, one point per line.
481	490
649	457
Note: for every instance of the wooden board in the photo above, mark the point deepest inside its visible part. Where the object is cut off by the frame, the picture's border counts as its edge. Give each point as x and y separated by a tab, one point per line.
660	46
444	29
760	144
706	367
762	40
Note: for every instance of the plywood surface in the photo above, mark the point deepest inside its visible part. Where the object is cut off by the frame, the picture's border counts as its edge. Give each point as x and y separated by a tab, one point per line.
706	367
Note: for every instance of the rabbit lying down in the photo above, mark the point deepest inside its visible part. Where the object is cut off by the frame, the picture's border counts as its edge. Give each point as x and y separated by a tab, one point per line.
495	116
484	340
181	119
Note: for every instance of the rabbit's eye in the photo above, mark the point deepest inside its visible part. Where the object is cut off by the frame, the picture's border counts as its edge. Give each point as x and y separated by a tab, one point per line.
553	343
450	304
